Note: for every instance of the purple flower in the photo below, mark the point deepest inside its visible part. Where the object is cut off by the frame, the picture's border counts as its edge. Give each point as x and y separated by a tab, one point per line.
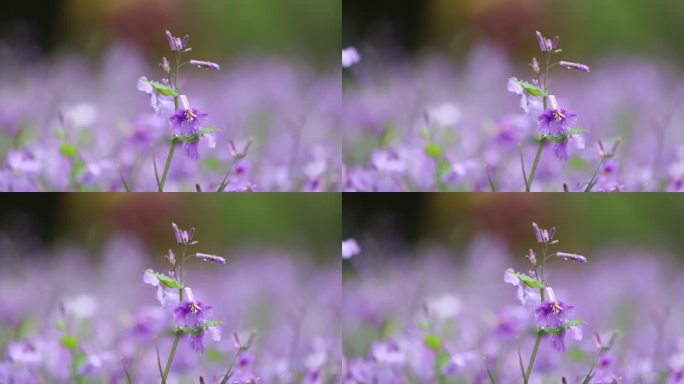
212	258
350	248
350	56
546	45
572	257
187	121
206	65
191	313
182	236
552	313
197	341
575	66
556	120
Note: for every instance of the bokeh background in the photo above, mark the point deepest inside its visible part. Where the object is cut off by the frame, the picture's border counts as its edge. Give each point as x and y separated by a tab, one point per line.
583	223
590	28
303	225
75	264
303	29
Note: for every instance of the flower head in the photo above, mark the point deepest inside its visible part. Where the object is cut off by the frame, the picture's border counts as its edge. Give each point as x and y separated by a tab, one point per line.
575	66
350	56
546	45
212	258
555	120
182	236
350	248
572	257
191	313
206	65
187	121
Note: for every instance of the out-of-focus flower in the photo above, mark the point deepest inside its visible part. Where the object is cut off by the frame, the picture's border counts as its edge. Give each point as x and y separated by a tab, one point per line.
350	248
206	65
212	258
575	66
350	56
572	257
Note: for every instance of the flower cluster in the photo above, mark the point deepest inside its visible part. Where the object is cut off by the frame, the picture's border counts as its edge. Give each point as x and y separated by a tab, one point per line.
427	124
191	316
534	292
188	124
556	124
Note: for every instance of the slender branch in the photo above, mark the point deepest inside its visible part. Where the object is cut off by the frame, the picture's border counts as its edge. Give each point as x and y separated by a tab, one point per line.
540	148
171	355
168	164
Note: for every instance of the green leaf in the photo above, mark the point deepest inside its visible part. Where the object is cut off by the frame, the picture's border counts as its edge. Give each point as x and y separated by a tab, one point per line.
434	150
562	328
163	89
208	130
68	150
530	88
530	282
69	342
199	329
564	137
433	342
195	137
169	282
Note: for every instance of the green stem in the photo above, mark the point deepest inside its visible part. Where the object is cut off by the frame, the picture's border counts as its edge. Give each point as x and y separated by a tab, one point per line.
533	357
171	355
168	164
224	183
230	368
593	180
540	148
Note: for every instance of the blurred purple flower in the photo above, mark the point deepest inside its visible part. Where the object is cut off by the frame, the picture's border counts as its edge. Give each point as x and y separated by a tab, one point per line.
197	341
350	56
575	66
206	65
212	258
572	257
350	248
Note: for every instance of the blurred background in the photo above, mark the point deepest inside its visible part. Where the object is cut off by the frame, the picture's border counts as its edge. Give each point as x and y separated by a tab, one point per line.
294	223
307	30
586	28
583	223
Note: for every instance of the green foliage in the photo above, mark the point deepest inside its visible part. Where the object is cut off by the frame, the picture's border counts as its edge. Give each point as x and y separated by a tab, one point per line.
163	89
531	89
169	282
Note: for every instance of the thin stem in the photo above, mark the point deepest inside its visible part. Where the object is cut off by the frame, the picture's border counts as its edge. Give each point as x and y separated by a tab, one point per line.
224	183
230	368
533	357
540	334
542	140
171	355
540	149
168	164
594	179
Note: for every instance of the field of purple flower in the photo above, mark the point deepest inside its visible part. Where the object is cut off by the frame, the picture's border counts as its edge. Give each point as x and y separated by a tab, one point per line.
252	124
259	316
430	124
612	316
